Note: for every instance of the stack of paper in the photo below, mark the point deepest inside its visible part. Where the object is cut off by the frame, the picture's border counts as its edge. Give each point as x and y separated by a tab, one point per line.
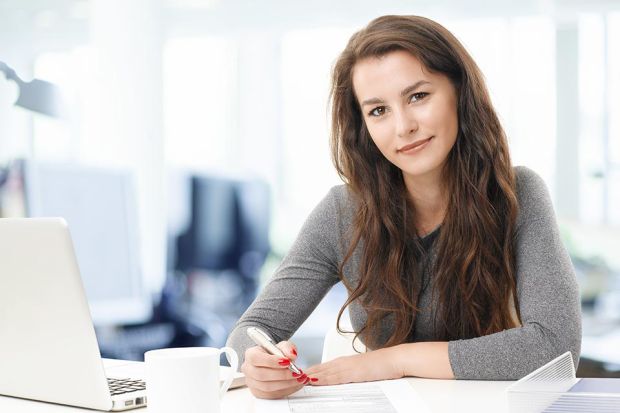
555	388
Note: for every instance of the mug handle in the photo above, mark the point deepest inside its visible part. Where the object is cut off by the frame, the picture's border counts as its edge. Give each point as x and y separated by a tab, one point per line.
233	359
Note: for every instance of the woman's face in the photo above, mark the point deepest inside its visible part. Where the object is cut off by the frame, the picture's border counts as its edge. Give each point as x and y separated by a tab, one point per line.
411	114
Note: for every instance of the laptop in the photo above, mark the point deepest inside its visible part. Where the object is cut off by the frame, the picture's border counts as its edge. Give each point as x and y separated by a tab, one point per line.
48	347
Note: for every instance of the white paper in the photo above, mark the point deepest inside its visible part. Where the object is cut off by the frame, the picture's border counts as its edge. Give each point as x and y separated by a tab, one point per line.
389	396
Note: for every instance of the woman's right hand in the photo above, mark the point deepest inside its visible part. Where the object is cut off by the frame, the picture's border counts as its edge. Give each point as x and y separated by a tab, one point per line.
268	376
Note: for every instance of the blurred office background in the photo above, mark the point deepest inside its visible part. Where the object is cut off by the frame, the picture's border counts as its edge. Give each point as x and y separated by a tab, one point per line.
191	142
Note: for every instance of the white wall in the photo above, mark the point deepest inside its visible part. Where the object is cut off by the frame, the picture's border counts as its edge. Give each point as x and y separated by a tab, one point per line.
241	87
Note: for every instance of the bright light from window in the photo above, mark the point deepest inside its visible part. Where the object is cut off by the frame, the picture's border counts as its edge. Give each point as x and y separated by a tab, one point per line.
200	92
307	59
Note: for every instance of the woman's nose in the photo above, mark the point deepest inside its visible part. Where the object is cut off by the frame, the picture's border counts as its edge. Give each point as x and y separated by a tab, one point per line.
406	124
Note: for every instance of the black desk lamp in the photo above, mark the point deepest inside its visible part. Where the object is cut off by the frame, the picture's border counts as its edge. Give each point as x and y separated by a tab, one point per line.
37	95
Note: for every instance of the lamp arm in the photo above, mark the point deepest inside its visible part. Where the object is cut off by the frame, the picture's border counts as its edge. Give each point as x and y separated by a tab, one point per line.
9	73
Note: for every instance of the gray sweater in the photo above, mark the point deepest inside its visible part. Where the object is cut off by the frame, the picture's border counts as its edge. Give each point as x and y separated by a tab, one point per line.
546	287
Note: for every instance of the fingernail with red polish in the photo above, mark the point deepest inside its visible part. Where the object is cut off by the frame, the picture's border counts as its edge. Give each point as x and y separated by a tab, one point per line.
296	375
284	362
302	379
307	380
314	379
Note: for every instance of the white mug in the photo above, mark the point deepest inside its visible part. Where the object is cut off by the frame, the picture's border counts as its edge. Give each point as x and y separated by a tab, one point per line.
187	379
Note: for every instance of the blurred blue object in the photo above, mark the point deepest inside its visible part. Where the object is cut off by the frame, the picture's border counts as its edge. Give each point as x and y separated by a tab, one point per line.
253	198
37	95
228	230
219	255
210	242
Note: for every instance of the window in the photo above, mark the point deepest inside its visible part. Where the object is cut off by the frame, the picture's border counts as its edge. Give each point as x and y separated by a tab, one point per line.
200	93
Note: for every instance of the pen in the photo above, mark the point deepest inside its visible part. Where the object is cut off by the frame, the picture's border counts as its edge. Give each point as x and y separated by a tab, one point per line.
262	339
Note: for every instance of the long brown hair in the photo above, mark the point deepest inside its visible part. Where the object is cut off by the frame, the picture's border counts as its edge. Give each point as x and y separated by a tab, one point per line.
474	270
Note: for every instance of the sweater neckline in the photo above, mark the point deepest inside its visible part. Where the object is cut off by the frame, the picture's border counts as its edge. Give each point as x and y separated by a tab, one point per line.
432	233
427	239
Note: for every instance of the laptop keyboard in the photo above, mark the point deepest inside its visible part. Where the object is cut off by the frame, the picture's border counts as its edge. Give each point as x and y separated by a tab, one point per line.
121	386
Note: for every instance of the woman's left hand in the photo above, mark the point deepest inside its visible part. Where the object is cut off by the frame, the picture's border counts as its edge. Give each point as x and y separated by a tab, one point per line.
374	365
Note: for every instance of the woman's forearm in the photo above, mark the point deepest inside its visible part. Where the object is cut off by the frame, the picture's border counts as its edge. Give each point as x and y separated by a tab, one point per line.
423	359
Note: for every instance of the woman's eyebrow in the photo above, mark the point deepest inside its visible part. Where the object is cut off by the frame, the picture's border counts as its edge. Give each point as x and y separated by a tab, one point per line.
413	87
405	92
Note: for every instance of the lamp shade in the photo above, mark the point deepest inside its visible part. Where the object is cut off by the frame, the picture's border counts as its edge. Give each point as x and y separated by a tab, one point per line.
37	95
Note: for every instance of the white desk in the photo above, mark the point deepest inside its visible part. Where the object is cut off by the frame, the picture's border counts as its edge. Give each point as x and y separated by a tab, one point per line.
441	395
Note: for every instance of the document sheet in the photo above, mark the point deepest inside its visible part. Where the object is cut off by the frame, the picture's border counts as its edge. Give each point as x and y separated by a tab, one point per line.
389	396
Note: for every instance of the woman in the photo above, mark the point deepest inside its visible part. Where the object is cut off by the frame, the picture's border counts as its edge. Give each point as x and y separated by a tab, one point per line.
451	256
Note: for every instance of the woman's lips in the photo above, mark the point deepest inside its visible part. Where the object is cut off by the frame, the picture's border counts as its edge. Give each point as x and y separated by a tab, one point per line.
415	146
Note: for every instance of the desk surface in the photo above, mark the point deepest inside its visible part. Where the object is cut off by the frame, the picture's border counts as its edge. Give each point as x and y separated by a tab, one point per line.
441	395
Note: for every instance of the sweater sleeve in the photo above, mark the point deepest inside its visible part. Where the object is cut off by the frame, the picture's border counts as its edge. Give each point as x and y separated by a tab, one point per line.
548	299
304	277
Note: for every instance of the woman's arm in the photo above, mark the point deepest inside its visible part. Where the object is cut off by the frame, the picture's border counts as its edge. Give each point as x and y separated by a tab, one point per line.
305	275
548	297
424	359
427	359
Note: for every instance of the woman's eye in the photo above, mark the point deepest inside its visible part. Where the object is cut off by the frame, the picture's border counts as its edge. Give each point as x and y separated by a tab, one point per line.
418	96
378	111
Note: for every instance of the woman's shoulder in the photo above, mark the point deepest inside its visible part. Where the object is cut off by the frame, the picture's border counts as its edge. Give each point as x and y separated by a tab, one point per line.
532	194
336	205
341	195
527	177
339	203
328	223
529	183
